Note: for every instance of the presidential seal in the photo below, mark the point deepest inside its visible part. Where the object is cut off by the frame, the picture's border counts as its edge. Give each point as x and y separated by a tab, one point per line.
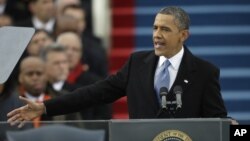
172	135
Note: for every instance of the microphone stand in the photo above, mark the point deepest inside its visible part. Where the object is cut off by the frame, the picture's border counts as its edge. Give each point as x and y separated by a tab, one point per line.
169	110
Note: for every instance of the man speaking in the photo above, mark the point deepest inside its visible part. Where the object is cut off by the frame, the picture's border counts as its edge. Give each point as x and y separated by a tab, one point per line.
141	79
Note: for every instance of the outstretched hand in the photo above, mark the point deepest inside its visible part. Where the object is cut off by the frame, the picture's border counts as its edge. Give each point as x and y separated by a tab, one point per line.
234	122
25	113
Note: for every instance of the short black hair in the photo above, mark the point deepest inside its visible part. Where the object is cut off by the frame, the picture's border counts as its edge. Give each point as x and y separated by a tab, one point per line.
181	18
73	6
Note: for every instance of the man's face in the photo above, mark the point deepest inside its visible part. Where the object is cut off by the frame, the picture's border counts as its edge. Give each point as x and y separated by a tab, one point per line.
63	3
167	38
38	42
57	66
43	9
79	15
73	49
32	77
5	20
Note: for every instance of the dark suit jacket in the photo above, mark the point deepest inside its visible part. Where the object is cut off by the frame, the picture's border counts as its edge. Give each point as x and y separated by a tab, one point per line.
95	56
100	112
29	23
201	95
25	23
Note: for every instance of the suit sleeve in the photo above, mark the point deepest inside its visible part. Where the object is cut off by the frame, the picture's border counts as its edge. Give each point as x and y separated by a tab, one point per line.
213	104
102	92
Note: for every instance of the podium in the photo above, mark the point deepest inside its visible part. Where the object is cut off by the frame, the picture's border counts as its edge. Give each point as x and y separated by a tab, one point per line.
208	129
190	129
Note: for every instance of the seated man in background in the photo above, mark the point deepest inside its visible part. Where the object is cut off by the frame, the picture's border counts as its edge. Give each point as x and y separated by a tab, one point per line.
57	71
42	15
79	74
94	54
33	82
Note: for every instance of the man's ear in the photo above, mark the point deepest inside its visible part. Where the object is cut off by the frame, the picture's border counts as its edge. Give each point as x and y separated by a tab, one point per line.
184	35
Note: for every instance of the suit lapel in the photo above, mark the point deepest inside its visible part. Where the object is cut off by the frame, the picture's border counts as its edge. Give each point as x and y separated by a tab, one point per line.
146	75
184	75
183	78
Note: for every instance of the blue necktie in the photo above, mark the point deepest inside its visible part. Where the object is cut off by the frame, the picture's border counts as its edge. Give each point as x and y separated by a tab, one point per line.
163	78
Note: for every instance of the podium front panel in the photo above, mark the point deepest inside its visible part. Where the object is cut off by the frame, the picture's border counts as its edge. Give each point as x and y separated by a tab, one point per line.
175	129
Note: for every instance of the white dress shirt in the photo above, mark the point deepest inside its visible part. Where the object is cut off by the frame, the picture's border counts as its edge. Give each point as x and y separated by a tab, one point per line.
39	98
58	85
49	26
173	68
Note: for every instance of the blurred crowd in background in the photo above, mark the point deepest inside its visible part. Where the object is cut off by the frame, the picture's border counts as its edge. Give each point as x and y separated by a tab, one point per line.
62	56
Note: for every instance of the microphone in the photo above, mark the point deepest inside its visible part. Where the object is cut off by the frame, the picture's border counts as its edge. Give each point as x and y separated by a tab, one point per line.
163	95
178	93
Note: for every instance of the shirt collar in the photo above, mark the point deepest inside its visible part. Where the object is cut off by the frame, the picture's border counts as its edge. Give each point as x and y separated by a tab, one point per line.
46	26
58	85
39	98
175	60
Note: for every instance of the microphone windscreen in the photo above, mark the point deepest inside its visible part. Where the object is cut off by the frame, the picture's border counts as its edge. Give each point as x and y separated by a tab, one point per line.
177	90
163	91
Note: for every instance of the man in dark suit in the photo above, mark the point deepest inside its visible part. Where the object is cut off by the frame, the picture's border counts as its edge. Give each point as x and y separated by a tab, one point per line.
42	15
138	79
94	54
